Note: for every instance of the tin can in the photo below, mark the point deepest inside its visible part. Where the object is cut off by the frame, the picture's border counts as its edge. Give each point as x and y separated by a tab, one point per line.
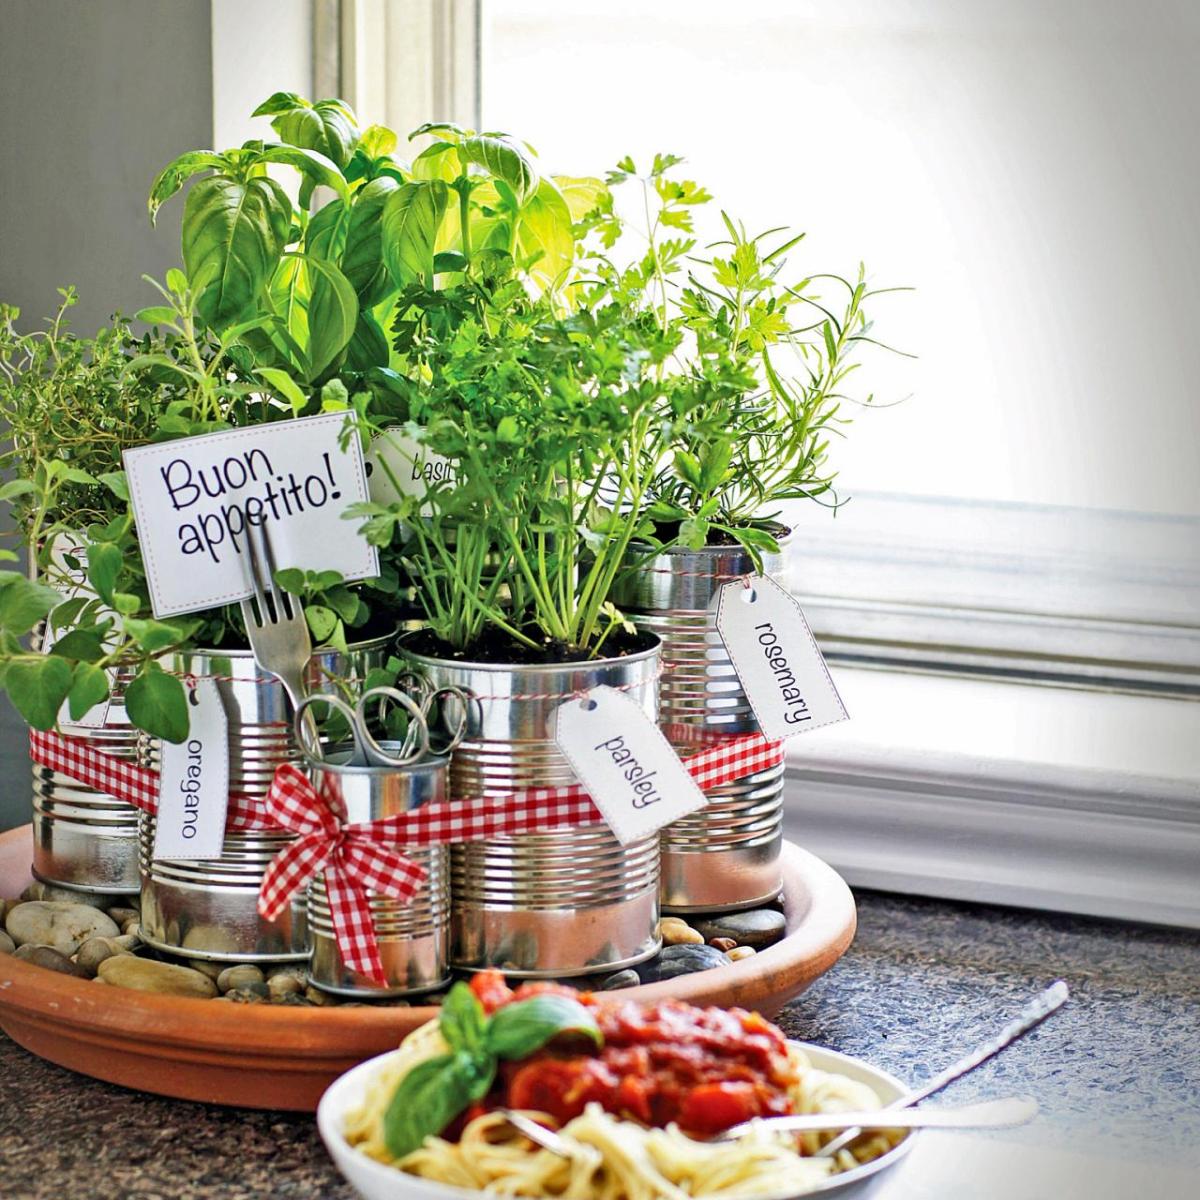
561	903
413	937
83	839
725	857
208	909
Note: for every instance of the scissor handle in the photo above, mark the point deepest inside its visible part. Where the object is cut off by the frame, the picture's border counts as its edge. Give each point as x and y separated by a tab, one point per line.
464	704
306	730
416	740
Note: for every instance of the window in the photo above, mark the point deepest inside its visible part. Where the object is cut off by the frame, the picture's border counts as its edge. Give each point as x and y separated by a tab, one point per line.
1032	509
1031	516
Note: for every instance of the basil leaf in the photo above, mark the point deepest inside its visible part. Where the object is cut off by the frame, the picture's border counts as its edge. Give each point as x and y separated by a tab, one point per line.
362	260
412	216
462	1021
427	1099
233	236
504	159
332	314
517	1030
544	235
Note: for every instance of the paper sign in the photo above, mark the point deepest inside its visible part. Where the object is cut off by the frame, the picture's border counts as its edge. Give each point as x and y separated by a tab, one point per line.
782	670
193	791
399	465
194	498
629	769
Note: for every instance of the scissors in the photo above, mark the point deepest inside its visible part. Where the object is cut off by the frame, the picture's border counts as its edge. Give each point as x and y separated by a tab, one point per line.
367	751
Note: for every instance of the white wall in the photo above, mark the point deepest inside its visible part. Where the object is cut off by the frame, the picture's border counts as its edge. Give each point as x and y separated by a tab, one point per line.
97	98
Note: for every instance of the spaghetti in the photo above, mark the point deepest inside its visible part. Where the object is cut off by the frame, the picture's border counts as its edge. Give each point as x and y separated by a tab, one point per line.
652	1158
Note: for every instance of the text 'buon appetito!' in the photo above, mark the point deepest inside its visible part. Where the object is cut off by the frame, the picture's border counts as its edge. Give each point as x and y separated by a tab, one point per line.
194	499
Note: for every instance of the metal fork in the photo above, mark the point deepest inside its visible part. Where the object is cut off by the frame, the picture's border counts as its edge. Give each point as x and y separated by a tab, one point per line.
276	627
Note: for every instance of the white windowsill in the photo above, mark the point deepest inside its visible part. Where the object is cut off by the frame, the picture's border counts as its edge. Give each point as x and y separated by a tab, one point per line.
1078	801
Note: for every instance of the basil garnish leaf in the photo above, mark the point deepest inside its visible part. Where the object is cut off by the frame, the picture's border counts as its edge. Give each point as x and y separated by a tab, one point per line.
518	1029
462	1022
436	1091
427	1099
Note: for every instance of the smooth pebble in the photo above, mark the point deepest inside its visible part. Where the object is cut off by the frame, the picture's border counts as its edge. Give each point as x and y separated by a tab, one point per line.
239	976
740	952
52	960
676	932
7	945
622	979
720	943
681	960
759	927
94	951
146	975
57	923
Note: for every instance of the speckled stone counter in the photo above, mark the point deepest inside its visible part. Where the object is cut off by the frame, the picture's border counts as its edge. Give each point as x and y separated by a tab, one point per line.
1118	1069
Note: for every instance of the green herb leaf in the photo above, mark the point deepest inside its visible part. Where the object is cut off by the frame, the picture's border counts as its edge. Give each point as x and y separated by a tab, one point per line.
322	621
83	645
412	216
427	1099
332	313
233	235
89	687
286	386
517	1030
362	259
23	603
37	687
172	178
503	158
462	1020
156	702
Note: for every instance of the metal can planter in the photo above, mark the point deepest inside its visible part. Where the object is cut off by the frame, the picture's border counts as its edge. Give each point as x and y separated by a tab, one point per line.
725	857
209	909
413	937
561	903
84	839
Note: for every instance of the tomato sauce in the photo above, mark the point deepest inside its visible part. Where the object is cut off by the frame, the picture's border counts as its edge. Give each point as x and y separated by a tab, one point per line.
703	1068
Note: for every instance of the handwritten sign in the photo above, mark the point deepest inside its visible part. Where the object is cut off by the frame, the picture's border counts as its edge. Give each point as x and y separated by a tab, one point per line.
629	769
398	465
193	792
781	668
193	500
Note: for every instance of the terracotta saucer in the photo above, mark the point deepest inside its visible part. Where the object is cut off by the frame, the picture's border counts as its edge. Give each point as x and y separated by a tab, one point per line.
263	1056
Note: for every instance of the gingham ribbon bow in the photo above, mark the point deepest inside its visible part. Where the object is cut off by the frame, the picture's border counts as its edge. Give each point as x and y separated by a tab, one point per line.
357	860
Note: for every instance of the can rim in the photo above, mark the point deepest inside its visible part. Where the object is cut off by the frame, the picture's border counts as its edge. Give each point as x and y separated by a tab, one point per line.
583	664
428	764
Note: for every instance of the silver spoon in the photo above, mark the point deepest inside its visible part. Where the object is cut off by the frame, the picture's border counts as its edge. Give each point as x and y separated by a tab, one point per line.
1050	1001
989	1114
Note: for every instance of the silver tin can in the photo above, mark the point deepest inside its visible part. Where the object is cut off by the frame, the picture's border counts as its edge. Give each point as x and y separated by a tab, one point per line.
561	903
83	839
413	938
209	909
725	857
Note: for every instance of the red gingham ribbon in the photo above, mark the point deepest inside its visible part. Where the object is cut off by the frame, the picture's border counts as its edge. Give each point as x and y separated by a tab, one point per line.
296	803
363	858
79	759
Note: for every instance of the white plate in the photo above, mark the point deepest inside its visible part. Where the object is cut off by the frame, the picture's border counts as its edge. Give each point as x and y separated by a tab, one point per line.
376	1181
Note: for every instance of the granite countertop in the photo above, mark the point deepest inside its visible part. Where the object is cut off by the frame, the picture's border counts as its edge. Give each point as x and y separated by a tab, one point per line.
1117	1074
